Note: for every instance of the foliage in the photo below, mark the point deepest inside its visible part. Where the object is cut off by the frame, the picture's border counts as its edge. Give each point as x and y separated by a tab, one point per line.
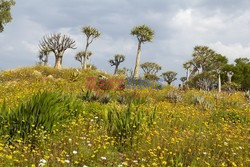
169	76
124	124
143	33
230	87
5	15
231	116
166	133
118	59
150	68
43	111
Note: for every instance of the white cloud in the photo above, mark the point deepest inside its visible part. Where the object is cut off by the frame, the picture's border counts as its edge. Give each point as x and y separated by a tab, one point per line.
232	51
183	18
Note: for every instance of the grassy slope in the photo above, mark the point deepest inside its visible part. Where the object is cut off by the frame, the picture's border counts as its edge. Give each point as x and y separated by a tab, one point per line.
214	131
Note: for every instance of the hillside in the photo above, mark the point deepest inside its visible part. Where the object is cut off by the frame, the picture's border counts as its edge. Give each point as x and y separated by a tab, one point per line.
49	118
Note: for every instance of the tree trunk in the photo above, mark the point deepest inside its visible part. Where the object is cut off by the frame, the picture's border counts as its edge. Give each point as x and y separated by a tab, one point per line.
137	64
85	56
219	84
187	74
116	69
46	60
58	63
84	67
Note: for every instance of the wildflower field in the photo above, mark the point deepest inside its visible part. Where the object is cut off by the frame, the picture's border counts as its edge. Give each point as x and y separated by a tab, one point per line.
49	118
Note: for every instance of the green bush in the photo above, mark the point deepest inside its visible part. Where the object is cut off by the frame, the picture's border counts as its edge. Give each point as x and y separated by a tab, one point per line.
44	111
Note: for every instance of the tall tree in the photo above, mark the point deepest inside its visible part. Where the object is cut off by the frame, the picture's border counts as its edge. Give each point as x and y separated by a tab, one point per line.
91	34
80	56
5	14
118	59
217	64
57	44
169	76
143	34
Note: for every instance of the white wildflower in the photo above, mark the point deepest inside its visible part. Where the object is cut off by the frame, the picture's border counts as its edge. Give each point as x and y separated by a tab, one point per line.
103	158
42	162
74	152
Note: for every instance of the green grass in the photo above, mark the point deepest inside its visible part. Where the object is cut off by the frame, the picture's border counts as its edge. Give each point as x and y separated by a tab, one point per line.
57	121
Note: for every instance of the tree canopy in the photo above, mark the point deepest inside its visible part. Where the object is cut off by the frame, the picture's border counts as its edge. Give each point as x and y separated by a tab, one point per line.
169	76
5	12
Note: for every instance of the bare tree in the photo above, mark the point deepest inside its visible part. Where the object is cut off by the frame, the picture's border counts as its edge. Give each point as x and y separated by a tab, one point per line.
118	59
58	44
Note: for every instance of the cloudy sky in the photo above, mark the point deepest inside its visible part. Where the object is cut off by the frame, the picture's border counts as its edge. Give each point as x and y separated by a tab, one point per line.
179	25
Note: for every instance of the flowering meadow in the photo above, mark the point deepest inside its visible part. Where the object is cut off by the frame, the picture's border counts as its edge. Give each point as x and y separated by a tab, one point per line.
49	118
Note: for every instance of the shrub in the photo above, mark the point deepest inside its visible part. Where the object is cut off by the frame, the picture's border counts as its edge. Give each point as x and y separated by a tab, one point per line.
105	99
230	87
123	124
201	101
89	95
173	97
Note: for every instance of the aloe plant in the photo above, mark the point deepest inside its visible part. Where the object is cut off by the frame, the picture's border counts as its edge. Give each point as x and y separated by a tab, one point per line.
124	124
44	111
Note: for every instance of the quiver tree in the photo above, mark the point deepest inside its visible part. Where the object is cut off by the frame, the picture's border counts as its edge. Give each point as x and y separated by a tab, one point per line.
118	59
80	56
91	33
57	44
5	15
150	69
183	80
187	66
44	56
169	76
229	76
143	34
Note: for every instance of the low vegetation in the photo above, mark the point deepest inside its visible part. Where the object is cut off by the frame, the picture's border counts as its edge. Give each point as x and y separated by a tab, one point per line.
49	118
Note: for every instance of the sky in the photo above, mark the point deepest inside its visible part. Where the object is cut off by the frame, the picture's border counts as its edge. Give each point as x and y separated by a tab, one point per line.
179	25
